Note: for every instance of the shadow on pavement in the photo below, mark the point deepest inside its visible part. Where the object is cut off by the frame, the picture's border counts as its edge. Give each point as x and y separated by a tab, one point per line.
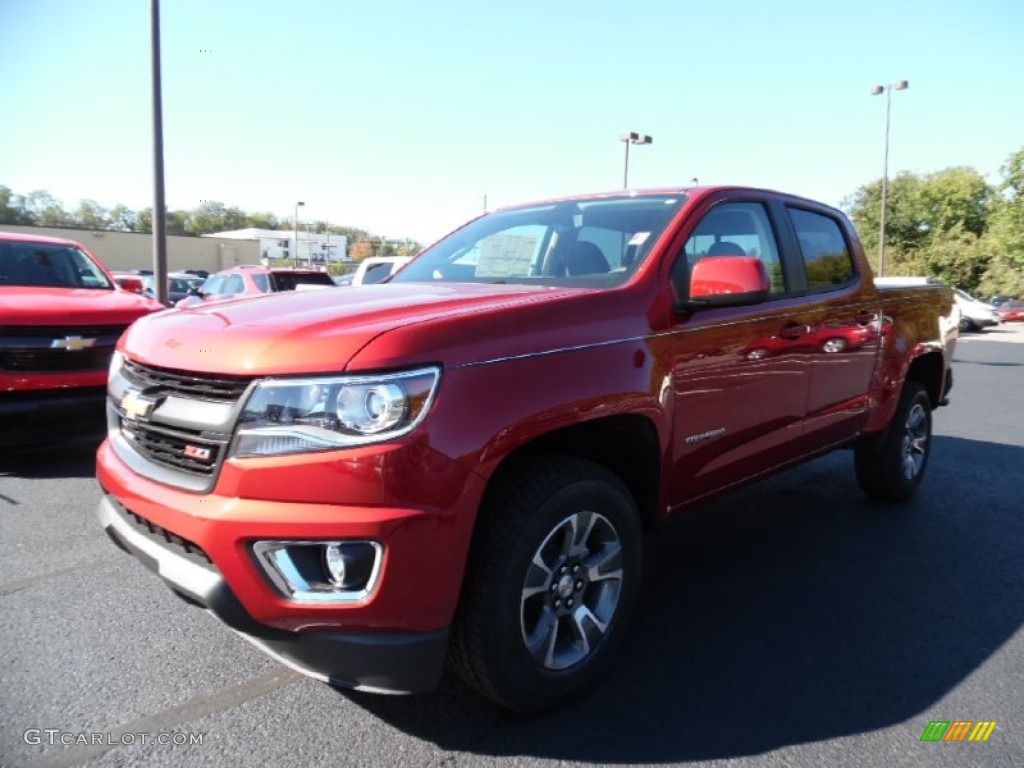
70	458
790	612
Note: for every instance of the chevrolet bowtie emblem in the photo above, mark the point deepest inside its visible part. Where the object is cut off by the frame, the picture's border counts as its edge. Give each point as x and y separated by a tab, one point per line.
136	406
72	343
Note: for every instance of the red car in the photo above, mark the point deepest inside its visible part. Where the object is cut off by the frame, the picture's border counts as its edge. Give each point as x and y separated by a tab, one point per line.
254	280
61	313
1012	311
459	464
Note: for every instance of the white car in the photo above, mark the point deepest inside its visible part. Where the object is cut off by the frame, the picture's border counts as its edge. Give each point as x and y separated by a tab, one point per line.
377	268
975	314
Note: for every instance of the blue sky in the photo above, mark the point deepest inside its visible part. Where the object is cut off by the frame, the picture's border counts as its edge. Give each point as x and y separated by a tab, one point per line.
399	116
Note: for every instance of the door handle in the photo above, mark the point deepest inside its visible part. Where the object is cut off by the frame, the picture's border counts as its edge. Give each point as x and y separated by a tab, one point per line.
793	331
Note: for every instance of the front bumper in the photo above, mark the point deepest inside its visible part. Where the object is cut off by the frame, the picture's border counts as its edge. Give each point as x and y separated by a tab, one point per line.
402	662
45	415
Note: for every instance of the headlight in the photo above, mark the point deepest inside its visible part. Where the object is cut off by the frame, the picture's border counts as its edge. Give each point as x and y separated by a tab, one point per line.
322	414
116	362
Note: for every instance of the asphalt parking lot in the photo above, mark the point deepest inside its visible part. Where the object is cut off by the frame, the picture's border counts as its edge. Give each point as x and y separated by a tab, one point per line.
790	624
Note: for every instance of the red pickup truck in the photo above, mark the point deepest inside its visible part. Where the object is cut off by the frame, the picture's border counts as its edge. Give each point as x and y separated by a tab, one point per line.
61	313
460	463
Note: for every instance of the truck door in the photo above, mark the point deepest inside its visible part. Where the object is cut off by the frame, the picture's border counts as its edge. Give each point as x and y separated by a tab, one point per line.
737	377
843	328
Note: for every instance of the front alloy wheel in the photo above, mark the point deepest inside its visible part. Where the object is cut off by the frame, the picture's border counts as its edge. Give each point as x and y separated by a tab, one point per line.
571	590
553	575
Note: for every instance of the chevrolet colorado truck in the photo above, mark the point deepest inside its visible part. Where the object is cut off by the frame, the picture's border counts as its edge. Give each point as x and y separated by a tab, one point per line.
457	466
61	313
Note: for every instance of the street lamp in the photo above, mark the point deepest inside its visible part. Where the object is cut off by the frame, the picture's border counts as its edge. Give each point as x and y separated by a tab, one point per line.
631	137
297	231
902	85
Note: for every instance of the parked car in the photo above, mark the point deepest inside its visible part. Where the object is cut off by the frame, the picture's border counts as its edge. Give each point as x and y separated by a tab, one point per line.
459	464
130	281
180	285
975	314
245	280
61	313
1012	311
376	269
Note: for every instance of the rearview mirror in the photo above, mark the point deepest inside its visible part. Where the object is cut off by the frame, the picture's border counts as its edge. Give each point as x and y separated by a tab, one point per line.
727	281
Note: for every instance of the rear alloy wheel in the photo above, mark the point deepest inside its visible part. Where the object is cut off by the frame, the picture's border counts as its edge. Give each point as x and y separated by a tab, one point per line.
891	466
552	579
834	345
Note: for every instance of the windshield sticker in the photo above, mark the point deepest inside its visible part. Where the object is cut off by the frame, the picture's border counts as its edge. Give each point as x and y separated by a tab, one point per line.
506	256
639	238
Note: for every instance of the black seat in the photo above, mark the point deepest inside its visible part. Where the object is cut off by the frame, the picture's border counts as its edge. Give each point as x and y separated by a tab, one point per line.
725	248
585	258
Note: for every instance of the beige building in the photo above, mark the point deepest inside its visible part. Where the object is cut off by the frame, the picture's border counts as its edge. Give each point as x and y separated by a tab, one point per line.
133	250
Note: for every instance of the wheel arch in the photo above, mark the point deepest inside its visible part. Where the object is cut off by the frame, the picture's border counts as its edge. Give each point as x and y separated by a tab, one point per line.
929	370
626	445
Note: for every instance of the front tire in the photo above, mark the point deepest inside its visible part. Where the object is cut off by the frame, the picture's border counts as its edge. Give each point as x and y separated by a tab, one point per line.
552	581
891	466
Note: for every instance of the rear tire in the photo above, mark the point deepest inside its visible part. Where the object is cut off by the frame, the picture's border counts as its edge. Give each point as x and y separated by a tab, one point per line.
891	466
552	581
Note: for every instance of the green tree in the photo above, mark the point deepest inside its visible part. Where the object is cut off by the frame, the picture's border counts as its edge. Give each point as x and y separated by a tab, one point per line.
12	208
91	215
905	228
122	218
46	210
1004	237
263	221
958	257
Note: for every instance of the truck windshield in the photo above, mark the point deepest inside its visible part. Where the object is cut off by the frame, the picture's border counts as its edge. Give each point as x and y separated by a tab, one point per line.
49	265
595	242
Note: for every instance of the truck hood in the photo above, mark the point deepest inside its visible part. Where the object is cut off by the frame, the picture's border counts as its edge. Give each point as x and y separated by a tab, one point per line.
308	331
32	305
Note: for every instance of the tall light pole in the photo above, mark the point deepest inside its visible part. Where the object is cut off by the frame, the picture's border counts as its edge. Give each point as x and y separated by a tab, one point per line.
297	232
902	85
159	205
631	137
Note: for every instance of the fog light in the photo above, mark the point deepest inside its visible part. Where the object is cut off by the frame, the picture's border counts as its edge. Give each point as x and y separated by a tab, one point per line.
335	562
321	571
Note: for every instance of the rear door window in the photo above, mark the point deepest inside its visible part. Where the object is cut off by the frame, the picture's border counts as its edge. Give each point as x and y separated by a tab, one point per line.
826	254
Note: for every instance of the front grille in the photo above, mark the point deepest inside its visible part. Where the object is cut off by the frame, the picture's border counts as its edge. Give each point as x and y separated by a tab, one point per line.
31	350
60	331
53	360
184	450
163	537
187	384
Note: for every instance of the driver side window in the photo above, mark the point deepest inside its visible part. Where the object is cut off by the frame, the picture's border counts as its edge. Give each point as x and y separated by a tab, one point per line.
738	229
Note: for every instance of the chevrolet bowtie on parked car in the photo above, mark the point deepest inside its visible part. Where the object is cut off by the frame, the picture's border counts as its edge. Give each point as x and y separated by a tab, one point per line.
61	313
461	463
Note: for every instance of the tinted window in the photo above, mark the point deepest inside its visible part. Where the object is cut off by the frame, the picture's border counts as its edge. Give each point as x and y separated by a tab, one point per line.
261	282
376	272
286	281
52	265
738	229
233	284
826	255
